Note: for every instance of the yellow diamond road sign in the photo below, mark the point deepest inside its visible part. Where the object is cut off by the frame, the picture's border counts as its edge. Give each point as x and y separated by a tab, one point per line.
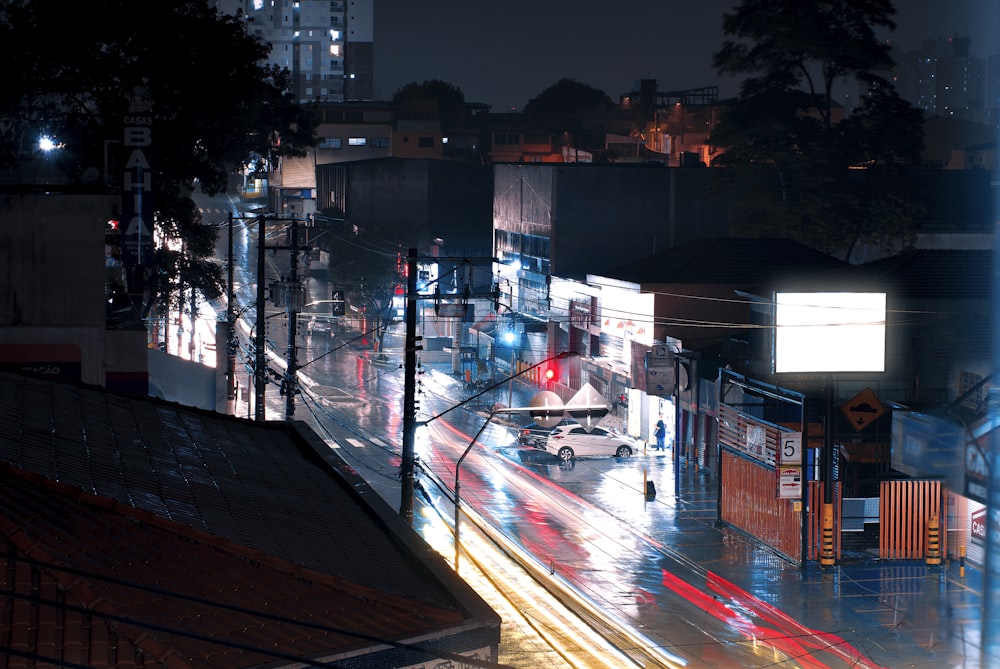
863	410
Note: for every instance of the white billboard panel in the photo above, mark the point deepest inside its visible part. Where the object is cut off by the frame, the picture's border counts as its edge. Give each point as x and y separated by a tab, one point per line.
829	332
628	315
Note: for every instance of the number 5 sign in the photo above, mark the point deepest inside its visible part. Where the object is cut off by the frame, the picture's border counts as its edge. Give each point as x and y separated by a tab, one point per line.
791	448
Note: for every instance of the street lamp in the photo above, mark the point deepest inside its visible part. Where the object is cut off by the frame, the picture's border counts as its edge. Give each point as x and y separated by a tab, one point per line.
543	411
546	409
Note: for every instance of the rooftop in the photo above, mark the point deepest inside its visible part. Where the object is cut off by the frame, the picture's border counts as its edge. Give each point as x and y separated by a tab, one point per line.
137	528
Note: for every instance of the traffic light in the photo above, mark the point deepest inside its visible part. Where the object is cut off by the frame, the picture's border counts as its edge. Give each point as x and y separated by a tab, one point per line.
112	233
550	374
338	303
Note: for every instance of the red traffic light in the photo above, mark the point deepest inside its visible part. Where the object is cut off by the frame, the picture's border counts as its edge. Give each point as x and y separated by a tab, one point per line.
550	374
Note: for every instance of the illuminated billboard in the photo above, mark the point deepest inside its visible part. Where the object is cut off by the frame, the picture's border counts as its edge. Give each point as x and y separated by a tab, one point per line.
829	332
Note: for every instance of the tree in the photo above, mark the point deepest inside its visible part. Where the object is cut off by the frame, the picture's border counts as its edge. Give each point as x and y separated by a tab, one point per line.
215	105
567	97
795	169
562	108
368	265
448	99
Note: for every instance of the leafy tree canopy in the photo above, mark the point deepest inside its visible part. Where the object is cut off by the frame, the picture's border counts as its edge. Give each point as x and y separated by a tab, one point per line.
567	97
794	167
449	99
216	104
434	89
367	264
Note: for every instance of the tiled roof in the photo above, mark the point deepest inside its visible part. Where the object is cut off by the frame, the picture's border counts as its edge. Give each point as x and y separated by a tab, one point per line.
250	516
96	583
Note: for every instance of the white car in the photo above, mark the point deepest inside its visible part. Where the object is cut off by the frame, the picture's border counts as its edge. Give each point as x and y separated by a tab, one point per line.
571	441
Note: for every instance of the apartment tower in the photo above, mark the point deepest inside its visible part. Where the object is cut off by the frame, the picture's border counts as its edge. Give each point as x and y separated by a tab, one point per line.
327	45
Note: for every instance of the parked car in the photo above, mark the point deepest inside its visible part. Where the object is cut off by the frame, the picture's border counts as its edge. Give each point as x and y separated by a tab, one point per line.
535	435
570	441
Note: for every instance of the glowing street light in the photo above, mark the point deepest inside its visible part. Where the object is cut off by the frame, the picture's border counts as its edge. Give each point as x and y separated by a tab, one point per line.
47	144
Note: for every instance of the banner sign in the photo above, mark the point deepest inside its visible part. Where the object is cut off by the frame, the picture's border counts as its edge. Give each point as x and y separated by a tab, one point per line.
137	187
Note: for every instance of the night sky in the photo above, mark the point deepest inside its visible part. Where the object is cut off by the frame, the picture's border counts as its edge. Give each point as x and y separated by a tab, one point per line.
504	54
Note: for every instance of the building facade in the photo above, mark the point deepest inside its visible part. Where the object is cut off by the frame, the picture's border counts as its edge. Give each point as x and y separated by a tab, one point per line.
327	45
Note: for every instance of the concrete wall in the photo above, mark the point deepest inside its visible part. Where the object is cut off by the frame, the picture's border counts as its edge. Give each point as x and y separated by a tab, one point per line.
177	380
53	311
604	217
52	245
419	197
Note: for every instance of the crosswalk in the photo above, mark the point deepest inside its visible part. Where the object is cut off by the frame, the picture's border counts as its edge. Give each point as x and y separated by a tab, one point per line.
357	443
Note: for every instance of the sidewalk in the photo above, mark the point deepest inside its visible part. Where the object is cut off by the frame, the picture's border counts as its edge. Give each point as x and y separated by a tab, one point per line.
900	613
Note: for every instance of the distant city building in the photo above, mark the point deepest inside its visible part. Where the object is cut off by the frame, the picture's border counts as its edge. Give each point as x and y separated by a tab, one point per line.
327	45
944	78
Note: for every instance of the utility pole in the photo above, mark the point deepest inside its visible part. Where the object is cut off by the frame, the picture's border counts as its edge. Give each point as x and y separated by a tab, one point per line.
412	344
260	361
409	387
286	293
230	330
294	304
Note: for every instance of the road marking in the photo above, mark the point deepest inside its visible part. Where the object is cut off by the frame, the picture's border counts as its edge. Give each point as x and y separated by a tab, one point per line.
356	443
379	442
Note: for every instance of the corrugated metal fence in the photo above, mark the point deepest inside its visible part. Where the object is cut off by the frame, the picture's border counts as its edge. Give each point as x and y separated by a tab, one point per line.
750	502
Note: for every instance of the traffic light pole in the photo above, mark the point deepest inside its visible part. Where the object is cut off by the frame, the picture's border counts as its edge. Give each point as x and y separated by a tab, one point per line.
291	382
409	388
230	329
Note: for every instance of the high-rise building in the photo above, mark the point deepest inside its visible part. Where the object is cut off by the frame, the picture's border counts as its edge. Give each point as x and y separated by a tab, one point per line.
944	78
327	45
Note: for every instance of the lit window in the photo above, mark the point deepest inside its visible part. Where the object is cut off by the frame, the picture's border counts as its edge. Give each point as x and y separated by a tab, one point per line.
357	141
334	49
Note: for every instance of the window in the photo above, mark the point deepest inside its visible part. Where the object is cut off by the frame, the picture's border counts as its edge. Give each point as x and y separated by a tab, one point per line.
357	141
380	142
426	142
330	143
507	138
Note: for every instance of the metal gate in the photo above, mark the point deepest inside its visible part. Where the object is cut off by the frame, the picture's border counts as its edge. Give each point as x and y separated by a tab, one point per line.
911	520
749	502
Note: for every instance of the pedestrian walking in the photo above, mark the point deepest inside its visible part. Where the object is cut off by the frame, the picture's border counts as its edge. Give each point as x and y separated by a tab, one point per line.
661	434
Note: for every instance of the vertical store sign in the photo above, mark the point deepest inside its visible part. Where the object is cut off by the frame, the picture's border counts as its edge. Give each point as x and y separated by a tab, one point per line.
137	198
